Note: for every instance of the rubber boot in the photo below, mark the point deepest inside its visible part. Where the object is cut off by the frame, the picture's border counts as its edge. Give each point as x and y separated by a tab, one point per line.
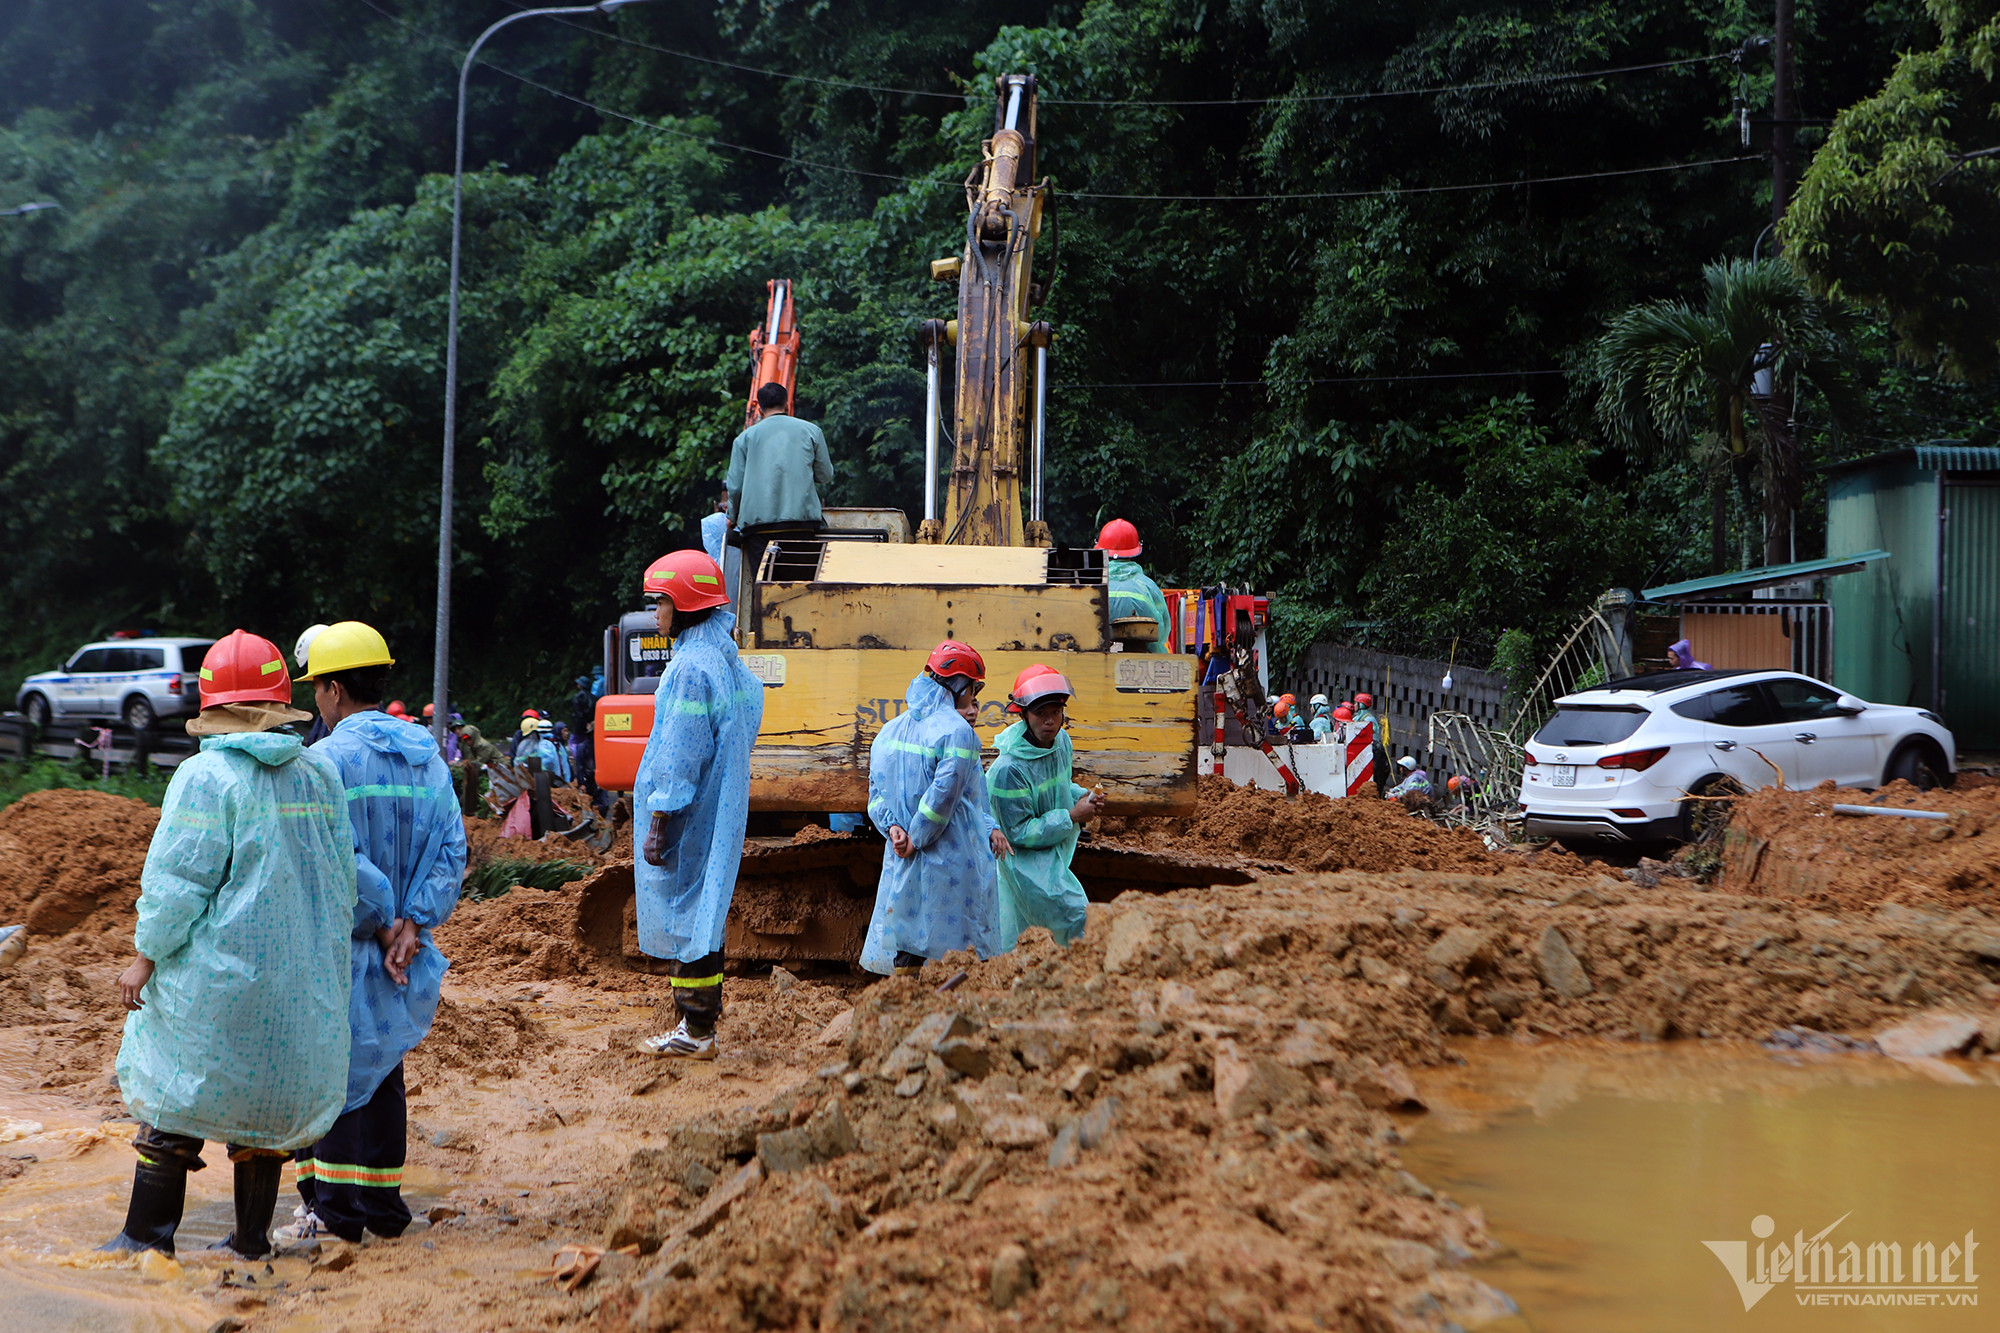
159	1193
257	1182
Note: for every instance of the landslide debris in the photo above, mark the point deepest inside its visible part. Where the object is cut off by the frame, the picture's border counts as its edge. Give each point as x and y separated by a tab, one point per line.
70	862
1791	844
1185	1121
1315	832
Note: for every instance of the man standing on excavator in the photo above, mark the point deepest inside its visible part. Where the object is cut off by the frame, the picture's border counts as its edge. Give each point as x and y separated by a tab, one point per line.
775	470
1133	592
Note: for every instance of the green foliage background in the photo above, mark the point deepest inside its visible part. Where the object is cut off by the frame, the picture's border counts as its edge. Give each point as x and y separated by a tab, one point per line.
221	359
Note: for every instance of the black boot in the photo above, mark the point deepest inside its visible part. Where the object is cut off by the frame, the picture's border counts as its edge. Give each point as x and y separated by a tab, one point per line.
159	1193
257	1181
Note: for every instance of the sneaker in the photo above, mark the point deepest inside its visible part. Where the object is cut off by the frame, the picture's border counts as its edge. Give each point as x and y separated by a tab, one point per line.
682	1044
305	1226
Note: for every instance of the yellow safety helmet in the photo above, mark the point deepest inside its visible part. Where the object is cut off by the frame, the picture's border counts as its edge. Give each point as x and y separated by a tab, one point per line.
344	646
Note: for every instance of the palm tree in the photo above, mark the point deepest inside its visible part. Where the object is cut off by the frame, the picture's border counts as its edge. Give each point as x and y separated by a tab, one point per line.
1672	377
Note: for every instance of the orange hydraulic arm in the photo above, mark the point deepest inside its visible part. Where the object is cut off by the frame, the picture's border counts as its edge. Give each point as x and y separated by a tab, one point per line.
774	348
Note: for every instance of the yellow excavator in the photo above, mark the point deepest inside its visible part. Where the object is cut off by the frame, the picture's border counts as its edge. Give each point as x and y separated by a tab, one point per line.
837	625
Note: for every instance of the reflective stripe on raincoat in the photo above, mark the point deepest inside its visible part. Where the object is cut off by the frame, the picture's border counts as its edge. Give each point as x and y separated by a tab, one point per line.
924	775
409	852
1133	593
244	908
706	713
1032	794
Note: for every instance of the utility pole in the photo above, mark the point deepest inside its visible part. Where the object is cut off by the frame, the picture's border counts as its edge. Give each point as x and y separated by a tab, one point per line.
1783	111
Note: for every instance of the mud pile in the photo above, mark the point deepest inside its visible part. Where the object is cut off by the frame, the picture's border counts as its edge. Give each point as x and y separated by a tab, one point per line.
1314	832
528	934
483	843
1790	844
1184	1121
70	862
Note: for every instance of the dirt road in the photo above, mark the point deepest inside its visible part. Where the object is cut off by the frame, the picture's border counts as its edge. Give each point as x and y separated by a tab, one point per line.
1187	1120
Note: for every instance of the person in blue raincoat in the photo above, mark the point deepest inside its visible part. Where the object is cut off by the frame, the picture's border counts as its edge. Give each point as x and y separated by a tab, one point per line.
542	745
927	794
409	848
1132	590
1040	811
692	794
237	1000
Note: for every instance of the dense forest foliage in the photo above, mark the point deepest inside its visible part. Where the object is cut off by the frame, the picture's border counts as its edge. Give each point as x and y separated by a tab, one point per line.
1325	278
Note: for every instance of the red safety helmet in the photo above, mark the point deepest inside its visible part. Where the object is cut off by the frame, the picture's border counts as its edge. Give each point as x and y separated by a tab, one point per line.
1343	714
396	709
952	658
689	579
242	668
1119	538
1365	700
1040	688
1027	673
430	710
531	712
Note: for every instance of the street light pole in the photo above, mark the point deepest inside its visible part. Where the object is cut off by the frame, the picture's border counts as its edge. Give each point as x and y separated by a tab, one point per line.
441	710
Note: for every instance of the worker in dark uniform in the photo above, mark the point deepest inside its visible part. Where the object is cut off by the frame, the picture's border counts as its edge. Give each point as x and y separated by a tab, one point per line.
776	468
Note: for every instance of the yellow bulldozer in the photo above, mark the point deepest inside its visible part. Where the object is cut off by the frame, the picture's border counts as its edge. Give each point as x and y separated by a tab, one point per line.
837	625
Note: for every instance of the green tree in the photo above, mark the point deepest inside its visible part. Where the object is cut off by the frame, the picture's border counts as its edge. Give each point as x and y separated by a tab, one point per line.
1901	209
1674	377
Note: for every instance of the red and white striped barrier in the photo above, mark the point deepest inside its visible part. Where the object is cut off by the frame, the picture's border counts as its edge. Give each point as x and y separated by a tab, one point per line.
1360	758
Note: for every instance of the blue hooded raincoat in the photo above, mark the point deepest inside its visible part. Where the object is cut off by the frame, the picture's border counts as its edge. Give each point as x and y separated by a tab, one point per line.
706	714
1133	593
1032	795
924	775
244	905
409	850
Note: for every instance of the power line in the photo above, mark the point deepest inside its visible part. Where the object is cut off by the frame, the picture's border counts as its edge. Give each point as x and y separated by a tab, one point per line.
1314	379
961	96
1076	194
1412	189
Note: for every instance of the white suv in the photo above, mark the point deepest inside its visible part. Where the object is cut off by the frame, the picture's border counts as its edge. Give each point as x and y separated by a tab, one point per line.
137	681
1616	761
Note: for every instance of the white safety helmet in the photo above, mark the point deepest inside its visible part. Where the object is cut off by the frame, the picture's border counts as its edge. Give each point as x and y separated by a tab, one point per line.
1319	701
1407	763
304	646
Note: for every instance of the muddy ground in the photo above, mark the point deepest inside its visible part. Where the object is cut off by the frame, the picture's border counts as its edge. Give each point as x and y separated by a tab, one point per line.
1188	1120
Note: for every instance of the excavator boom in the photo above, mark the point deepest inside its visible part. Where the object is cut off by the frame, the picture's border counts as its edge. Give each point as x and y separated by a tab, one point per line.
1002	353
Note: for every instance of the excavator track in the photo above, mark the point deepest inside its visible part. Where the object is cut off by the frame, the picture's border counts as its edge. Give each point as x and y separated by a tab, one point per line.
810	901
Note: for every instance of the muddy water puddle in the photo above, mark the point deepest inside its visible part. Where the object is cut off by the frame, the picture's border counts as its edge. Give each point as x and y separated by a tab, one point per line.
1635	1186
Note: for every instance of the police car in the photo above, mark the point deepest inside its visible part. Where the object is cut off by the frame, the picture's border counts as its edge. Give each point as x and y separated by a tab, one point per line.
137	681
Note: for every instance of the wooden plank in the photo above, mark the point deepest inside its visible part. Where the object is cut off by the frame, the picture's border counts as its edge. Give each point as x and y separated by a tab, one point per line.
917	616
871	562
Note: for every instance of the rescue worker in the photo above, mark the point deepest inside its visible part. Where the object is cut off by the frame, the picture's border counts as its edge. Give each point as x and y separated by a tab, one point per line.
776	467
927	794
1417	781
318	731
476	754
542	745
409	850
1133	593
692	794
1322	720
1040	810
238	1000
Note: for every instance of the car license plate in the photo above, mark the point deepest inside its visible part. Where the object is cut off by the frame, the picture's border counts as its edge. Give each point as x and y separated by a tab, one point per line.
1564	775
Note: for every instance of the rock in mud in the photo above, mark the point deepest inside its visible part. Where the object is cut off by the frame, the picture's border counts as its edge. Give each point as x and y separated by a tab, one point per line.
1247	1087
966	1057
827	1134
1130	944
1387	1087
1562	971
1929	1035
910	1053
1013	1276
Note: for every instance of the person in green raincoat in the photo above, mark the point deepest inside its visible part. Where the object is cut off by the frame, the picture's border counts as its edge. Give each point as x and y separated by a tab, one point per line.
1133	592
1040	810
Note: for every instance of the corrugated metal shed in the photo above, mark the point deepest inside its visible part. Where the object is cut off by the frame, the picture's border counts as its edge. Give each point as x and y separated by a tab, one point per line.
1923	626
